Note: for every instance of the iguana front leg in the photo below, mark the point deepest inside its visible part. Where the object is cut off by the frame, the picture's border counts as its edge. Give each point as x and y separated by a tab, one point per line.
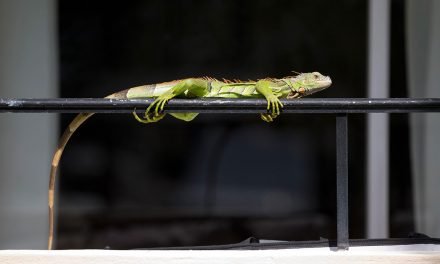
188	88
273	103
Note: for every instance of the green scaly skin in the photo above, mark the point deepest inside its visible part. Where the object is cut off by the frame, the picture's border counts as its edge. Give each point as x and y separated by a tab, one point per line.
271	89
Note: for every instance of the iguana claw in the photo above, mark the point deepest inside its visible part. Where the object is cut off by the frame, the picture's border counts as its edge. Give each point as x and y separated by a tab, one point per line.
148	118
268	117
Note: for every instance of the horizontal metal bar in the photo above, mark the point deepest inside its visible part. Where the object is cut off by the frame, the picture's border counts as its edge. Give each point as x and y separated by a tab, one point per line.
221	105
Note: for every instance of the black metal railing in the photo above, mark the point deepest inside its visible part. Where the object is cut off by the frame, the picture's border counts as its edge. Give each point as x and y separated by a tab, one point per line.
212	105
341	107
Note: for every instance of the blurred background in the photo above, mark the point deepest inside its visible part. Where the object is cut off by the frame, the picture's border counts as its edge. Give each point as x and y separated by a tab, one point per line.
220	178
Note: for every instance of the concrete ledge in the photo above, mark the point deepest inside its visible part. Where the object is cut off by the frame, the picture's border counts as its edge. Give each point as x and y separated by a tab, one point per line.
386	254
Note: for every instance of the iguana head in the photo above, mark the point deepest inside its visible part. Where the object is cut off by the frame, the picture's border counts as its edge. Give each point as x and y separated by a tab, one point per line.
307	83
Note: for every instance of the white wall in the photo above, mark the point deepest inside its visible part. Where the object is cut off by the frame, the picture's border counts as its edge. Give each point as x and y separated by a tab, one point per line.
423	50
377	133
27	69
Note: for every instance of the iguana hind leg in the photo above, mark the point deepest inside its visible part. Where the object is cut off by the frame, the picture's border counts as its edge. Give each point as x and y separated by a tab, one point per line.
186	88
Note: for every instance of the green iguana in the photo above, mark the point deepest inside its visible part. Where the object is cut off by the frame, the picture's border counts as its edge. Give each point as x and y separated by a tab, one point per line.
272	89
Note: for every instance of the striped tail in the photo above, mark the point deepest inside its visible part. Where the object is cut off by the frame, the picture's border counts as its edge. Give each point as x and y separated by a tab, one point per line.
73	126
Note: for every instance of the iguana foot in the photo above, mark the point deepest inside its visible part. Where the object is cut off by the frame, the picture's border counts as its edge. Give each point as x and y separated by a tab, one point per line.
274	106
157	114
150	118
158	106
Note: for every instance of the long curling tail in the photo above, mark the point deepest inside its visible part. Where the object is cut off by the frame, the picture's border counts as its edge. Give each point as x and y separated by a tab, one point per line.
73	126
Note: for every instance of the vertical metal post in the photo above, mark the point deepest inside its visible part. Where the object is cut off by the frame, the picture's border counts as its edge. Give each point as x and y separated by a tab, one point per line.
342	181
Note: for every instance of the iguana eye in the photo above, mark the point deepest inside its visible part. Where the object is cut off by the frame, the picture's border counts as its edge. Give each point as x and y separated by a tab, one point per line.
316	75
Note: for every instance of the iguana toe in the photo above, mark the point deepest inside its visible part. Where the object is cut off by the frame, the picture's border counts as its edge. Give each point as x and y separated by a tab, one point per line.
266	117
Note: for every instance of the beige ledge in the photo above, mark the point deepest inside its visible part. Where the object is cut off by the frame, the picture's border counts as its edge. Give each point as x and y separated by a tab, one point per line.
383	254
